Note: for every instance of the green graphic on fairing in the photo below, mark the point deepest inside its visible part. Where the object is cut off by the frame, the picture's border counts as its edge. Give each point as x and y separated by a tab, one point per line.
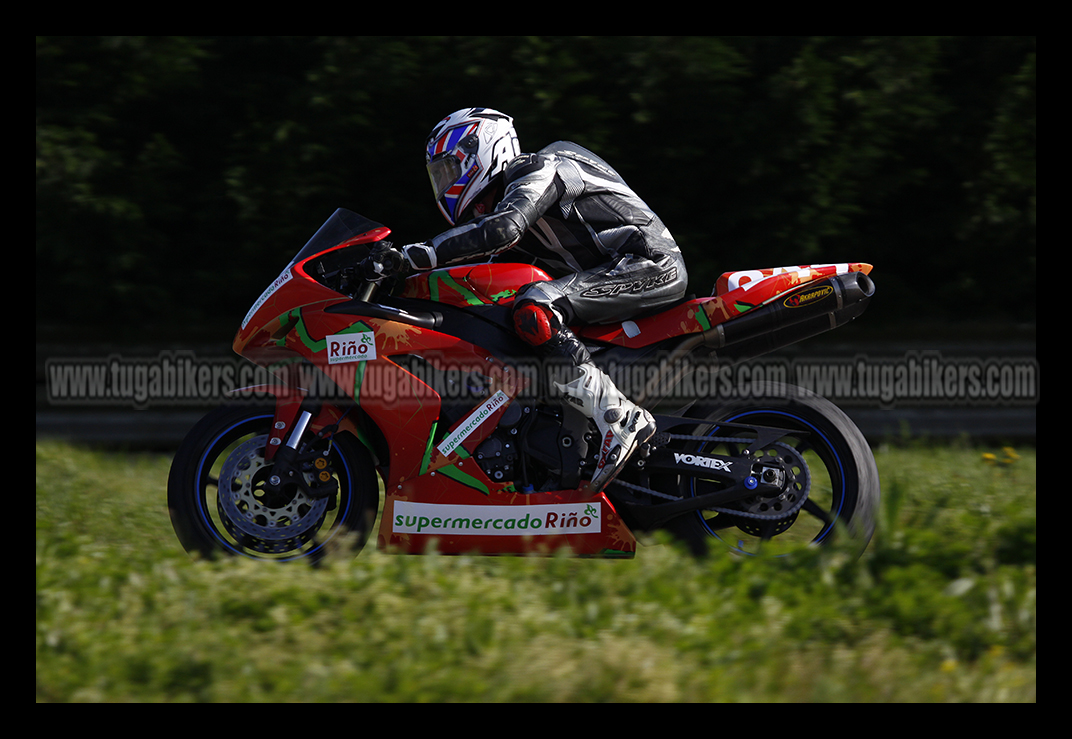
443	276
428	448
293	321
464	478
451	471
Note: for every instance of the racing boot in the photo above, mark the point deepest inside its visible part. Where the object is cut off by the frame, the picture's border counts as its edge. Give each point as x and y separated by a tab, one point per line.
623	425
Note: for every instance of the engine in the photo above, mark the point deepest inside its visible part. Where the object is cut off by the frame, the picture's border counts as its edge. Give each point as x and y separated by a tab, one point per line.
498	454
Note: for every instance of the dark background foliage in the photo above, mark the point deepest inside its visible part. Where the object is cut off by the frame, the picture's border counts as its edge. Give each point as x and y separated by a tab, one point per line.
176	175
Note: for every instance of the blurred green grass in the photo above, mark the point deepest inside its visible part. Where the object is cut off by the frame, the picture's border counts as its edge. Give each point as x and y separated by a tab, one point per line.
942	606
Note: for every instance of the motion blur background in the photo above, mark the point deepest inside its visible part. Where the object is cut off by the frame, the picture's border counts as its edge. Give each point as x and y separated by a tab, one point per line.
176	175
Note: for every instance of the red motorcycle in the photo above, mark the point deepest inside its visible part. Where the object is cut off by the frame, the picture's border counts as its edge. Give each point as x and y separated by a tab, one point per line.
423	391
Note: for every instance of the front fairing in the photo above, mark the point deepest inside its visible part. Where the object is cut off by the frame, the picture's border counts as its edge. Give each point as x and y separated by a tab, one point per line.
340	242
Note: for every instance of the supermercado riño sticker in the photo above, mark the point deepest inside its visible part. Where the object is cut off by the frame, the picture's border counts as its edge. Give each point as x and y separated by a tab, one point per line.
482	520
284	278
472	422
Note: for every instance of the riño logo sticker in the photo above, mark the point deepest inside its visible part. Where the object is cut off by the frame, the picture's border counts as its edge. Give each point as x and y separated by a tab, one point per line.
356	347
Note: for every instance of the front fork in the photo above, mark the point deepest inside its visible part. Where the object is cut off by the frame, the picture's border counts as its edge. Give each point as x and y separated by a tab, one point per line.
292	461
297	418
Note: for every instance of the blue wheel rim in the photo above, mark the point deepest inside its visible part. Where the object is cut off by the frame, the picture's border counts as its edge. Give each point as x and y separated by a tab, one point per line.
206	517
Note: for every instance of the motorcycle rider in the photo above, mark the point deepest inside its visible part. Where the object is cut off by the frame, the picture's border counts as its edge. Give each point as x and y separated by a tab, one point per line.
568	212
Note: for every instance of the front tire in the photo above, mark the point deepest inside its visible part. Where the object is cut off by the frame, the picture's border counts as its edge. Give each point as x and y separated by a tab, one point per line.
219	504
843	479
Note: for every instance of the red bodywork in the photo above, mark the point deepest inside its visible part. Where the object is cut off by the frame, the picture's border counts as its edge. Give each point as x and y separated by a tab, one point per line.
435	493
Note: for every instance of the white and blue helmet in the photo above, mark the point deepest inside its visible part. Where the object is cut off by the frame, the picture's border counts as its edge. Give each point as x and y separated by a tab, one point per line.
465	152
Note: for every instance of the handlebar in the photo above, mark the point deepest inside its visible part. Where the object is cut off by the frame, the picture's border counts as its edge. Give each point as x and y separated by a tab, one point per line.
382	262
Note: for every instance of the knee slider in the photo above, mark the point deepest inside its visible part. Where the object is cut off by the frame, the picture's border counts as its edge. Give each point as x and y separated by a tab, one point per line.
536	324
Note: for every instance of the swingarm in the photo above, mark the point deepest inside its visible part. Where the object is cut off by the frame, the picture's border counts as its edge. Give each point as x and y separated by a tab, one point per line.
717	480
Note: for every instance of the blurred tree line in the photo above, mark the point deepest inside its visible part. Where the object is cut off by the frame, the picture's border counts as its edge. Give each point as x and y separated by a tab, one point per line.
177	174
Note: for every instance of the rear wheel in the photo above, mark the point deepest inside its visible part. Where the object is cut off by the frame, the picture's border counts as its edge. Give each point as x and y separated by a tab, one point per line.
830	481
219	500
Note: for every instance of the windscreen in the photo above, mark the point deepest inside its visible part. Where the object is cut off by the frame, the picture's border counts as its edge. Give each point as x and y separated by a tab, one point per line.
343	224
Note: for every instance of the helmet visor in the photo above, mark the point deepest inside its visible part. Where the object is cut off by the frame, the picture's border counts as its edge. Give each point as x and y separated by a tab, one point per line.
443	172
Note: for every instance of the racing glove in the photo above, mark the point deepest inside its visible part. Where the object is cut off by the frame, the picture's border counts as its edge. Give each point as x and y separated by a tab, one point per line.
421	257
384	260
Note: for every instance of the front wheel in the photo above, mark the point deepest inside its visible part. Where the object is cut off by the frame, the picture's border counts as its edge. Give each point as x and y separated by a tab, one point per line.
824	455
219	501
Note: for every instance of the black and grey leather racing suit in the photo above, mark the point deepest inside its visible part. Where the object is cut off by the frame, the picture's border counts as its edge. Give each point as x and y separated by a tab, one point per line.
568	212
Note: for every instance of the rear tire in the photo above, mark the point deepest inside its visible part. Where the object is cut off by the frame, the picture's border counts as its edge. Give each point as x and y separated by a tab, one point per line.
229	443
844	483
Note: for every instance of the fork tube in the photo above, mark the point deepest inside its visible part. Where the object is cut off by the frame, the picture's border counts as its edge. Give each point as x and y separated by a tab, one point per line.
299	429
366	292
